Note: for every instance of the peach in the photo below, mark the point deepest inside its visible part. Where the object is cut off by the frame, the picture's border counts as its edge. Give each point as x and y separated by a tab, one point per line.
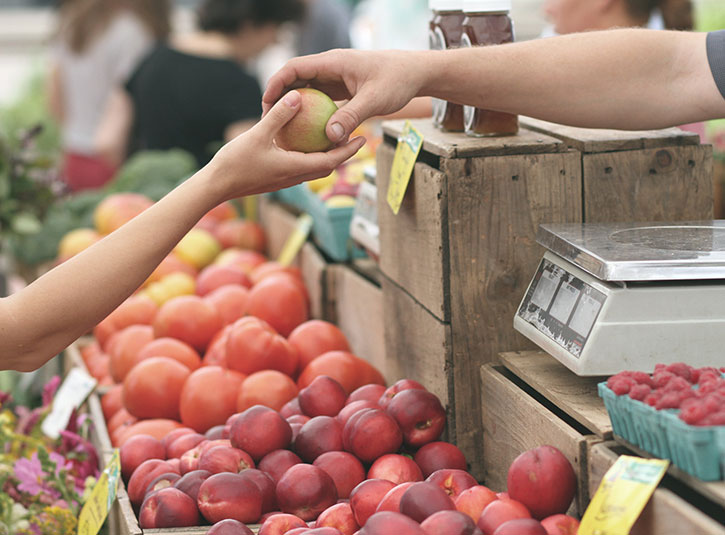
305	132
266	486
175	464
390	523
344	468
423	499
229	495
560	525
322	397
281	523
168	508
225	459
339	516
365	498
161	482
298	419
291	408
419	414
229	526
438	455
146	472
499	511
474	500
215	432
138	449
209	444
371	433
183	444
449	523
326	530
395	468
190	482
452	481
320	435
351	408
305	491
277	462
174	434
391	501
400	386
189	461
370	392
260	430
520	526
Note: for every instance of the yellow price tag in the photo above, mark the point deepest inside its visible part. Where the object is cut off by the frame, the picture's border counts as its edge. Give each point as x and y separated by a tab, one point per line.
296	240
409	144
250	207
622	495
96	508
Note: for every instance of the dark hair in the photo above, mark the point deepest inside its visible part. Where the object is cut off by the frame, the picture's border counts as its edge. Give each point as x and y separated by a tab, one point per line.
677	14
228	16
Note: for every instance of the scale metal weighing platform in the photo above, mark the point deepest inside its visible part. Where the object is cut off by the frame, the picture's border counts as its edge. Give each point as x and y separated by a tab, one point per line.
620	296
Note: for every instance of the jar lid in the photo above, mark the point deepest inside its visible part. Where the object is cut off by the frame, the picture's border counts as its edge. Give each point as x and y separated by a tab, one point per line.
483	6
445	5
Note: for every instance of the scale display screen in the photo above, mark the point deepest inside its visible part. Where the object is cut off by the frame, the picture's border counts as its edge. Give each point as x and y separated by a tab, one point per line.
561	306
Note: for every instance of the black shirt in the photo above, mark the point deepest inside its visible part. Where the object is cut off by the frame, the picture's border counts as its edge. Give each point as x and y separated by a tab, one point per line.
184	101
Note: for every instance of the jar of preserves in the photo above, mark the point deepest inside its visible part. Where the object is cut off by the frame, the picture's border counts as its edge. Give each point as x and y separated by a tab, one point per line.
445	32
487	22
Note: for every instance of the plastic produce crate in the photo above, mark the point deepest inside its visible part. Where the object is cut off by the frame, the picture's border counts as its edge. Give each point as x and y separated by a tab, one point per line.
331	228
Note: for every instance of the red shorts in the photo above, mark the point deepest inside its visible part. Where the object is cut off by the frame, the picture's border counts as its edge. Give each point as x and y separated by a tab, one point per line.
86	172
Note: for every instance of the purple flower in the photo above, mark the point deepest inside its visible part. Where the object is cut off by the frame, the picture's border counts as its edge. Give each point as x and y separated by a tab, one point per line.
5	397
82	456
29	473
50	389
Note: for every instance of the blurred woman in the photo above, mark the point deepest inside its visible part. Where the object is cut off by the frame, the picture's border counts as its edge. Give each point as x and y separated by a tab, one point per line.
98	44
195	92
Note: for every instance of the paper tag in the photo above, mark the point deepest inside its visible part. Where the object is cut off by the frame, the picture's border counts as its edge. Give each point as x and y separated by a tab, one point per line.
74	390
96	508
364	225
296	240
409	144
622	495
250	207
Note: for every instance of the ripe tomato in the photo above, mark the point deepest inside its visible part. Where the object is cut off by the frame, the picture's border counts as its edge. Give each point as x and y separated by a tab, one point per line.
216	353
230	302
315	337
269	388
350	371
268	268
241	233
120	418
253	345
152	389
124	349
170	264
111	401
245	259
156	427
280	302
136	310
188	318
216	276
173	349
209	397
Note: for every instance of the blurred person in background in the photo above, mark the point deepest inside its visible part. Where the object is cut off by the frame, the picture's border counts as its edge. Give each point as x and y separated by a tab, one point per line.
195	92
326	25
98	44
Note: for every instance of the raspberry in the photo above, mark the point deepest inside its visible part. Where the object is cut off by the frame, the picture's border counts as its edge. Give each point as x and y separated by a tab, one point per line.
617	377
652	398
660	367
708	376
677	384
717	418
661	378
639	391
698	373
671	400
681	369
643	379
708	387
713	403
622	385
693	413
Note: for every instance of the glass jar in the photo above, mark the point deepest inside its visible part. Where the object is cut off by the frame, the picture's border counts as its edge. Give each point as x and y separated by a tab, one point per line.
487	22
445	32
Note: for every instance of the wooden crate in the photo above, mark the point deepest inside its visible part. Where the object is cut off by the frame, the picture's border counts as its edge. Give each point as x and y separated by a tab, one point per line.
463	245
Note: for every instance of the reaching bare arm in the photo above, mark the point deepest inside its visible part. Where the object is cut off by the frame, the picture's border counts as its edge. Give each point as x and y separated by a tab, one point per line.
628	79
42	319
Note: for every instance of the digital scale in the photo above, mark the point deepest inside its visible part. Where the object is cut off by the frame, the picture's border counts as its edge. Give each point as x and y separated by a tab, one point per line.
609	297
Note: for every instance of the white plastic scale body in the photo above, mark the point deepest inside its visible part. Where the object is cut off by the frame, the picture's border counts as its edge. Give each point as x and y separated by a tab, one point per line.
612	297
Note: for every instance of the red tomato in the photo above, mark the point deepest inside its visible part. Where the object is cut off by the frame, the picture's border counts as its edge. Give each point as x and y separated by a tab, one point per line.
209	397
111	401
269	388
188	318
157	428
152	389
125	349
279	302
230	301
215	276
350	371
253	345
315	337
173	349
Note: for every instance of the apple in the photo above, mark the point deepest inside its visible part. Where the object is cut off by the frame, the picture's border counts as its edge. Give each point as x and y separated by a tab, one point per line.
365	498
138	449
351	408
175	449
419	414
319	435
543	480
391	501
371	392
260	430
298	419
452	481
423	499
400	386
499	511
520	526
209	444
322	397
305	132
345	470
474	500
395	468
339	516
229	526
228	495
168	508
225	459
438	455
305	491
266	486
327	530
371	433
560	525
215	433
281	523
291	408
190	482
277	462
190	460
176	433
390	523
449	523
146	472
162	481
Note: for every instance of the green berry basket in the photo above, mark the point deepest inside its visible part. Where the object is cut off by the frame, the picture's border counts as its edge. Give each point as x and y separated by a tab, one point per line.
331	228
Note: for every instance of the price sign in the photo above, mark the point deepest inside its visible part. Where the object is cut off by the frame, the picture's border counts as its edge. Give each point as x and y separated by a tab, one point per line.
296	240
622	495
96	508
74	390
409	144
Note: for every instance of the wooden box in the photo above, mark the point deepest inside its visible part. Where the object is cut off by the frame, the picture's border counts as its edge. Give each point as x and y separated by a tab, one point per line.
462	249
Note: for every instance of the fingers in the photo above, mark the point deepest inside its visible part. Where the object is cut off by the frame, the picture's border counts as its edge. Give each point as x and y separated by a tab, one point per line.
280	114
349	116
323	163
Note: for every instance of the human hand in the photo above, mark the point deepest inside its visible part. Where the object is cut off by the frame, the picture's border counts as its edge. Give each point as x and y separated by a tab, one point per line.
252	163
376	83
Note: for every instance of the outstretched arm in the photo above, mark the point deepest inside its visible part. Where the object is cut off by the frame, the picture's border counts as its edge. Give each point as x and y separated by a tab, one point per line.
627	79
42	319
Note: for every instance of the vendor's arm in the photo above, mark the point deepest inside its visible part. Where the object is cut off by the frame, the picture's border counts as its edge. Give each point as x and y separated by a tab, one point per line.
42	319
628	79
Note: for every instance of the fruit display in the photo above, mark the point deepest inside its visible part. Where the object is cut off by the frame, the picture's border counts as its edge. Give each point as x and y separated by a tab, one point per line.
676	413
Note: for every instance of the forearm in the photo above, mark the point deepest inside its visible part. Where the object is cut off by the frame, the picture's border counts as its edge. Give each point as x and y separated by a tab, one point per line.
627	79
45	317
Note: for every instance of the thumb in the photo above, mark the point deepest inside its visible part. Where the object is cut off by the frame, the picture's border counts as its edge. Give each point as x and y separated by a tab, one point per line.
349	117
281	113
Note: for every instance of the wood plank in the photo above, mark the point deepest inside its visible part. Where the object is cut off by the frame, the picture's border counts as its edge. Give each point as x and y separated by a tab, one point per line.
413	243
665	514
99	436
604	140
514	422
576	396
667	184
314	274
359	314
278	223
417	345
459	145
495	207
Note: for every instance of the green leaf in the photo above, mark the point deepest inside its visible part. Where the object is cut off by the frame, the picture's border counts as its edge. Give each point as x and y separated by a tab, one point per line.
25	223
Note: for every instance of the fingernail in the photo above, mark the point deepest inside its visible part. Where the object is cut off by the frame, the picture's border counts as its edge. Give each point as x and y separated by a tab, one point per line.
337	131
292	99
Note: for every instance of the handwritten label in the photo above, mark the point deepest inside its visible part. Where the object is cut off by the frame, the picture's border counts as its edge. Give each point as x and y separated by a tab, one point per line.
96	508
409	144
296	240
622	495
74	390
